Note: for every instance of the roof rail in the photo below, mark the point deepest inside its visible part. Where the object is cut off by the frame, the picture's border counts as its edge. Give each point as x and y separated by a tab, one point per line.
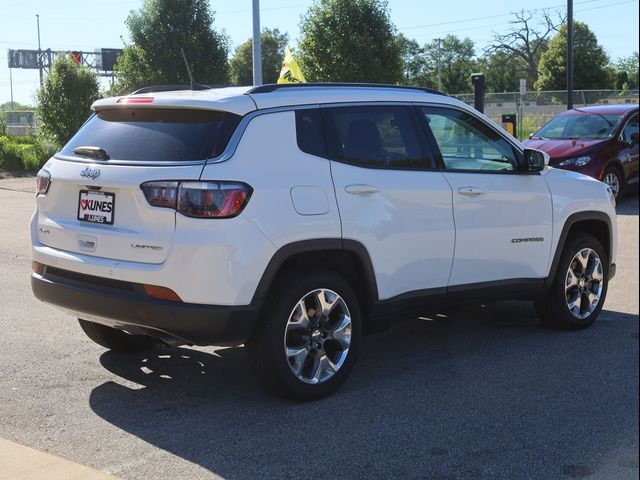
272	87
169	88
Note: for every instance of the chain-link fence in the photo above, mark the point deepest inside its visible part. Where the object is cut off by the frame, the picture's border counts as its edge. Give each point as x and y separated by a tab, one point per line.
18	123
536	108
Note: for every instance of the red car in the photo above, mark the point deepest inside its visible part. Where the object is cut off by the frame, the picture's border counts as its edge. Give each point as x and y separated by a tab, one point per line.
599	141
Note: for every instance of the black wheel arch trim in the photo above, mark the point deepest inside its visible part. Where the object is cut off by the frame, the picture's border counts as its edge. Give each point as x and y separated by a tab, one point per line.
320	245
566	229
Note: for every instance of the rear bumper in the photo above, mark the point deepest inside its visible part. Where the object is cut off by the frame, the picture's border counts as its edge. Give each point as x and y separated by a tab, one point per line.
125	306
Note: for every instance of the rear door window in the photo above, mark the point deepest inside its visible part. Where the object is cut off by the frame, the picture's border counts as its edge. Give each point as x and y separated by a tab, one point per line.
309	131
156	135
374	137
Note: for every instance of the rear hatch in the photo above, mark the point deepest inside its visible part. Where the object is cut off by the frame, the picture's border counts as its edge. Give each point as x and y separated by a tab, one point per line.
95	205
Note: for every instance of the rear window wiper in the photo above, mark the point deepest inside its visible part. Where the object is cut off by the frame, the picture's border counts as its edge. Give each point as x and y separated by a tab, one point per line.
92	152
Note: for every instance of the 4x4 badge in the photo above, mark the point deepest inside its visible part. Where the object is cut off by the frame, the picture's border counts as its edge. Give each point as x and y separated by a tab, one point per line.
89	172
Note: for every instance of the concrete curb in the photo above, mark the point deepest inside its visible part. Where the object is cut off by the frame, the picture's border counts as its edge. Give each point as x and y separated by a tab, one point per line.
18	462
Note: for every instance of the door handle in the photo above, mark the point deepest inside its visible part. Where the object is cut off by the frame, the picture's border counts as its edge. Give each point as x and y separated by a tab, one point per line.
470	191
360	189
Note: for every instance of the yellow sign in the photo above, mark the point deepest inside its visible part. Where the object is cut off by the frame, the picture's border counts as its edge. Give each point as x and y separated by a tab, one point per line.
290	72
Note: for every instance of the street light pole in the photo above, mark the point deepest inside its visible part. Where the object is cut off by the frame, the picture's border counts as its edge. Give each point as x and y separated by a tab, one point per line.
569	54
257	45
39	49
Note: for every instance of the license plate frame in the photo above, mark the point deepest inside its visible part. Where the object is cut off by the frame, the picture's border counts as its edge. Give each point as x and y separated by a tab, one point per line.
97	195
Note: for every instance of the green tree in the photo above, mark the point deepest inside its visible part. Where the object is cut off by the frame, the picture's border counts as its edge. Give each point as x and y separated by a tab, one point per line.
64	99
8	106
521	47
590	61
413	61
158	31
503	72
273	45
626	72
349	41
457	62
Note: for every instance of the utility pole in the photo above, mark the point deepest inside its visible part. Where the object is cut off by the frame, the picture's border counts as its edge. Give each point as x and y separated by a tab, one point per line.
439	66
257	45
39	49
569	54
11	87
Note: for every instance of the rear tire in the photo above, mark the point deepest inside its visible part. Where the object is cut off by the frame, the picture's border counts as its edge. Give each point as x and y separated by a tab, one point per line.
579	288
114	339
614	178
308	335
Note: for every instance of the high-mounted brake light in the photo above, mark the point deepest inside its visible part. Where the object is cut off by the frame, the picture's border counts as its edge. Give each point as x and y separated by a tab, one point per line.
216	199
135	100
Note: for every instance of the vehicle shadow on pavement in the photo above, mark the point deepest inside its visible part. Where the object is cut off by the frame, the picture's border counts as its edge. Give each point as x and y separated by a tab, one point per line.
451	396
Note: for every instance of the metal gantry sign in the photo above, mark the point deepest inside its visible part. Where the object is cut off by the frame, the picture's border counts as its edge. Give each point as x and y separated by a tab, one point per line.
102	59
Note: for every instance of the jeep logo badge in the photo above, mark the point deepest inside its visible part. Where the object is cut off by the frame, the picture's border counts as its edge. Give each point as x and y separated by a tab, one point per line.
91	173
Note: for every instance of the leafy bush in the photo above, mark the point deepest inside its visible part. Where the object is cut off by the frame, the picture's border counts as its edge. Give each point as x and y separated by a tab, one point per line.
528	126
25	139
24	156
64	99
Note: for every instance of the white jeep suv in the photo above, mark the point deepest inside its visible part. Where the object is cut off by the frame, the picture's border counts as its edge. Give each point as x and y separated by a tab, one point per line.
294	218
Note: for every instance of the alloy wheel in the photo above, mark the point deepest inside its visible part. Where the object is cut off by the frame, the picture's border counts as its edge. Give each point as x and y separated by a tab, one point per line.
584	283
318	336
612	180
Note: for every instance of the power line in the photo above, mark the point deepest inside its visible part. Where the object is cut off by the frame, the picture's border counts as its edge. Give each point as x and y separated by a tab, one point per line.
475	19
477	27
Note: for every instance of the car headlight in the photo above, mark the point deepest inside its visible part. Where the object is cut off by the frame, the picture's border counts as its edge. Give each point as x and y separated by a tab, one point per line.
575	161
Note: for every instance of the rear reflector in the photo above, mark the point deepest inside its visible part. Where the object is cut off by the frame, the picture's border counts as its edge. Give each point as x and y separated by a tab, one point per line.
136	100
37	267
162	293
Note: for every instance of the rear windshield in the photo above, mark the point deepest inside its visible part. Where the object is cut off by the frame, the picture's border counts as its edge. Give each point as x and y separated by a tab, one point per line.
156	135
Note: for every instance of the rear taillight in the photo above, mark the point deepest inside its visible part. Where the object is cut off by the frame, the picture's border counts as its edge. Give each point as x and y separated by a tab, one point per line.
43	180
199	199
161	194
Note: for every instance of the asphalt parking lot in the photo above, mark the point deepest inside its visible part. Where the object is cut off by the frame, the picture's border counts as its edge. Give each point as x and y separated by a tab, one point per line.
481	392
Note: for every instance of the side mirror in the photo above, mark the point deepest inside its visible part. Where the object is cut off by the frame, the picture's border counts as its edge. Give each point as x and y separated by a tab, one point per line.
535	160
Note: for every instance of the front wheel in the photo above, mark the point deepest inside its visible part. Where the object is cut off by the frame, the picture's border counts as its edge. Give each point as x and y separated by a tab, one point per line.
580	285
614	179
306	343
